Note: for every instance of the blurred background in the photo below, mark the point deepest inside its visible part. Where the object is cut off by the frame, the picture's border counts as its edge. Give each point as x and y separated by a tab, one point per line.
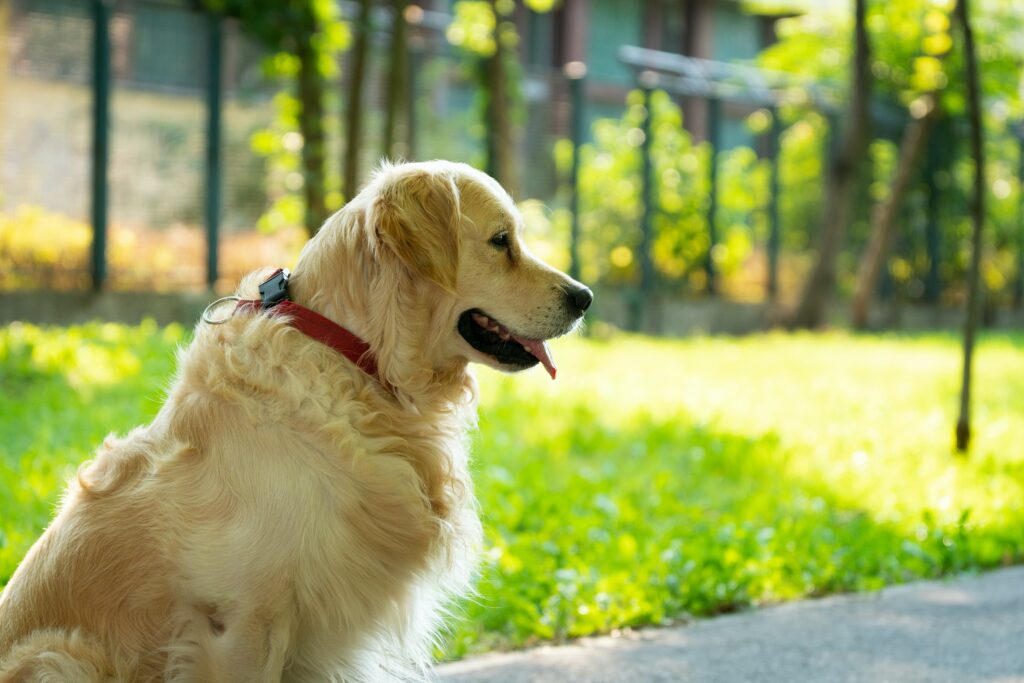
721	172
675	155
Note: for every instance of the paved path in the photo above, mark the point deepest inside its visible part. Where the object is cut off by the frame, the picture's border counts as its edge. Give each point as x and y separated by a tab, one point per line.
967	630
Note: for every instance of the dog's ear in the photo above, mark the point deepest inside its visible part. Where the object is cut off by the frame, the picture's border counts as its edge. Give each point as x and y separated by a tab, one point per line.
416	216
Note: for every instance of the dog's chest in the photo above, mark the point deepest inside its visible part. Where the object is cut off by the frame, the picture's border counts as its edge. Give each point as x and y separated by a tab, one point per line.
370	529
342	511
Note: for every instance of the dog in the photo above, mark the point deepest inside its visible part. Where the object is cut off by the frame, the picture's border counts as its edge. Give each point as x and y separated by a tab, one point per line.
297	511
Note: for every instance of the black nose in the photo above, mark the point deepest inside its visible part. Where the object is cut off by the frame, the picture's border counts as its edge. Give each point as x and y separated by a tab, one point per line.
580	298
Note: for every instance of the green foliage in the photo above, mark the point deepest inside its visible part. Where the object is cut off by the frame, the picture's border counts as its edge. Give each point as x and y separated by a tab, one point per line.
474	22
654	480
610	198
472	27
285	28
801	168
478	29
916	49
910	41
41	249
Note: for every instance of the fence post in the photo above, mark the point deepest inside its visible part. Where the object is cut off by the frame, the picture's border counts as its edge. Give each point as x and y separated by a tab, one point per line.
100	140
933	280
647	209
774	228
575	72
1018	289
414	57
714	112
416	52
213	146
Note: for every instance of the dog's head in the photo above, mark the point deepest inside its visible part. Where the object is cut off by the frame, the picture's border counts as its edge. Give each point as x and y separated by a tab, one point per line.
448	276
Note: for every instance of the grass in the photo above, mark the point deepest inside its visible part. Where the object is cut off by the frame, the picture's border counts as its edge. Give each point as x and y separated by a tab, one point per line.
654	480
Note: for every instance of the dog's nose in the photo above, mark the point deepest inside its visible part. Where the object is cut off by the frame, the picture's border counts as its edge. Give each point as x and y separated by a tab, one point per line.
580	298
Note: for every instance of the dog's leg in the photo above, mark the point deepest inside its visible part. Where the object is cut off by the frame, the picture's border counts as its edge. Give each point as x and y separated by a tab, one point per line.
53	655
232	647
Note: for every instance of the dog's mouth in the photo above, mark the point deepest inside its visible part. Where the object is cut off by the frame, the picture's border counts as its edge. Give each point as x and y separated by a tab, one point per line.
491	338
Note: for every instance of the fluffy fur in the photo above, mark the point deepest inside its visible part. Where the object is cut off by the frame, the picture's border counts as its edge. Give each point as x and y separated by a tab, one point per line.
286	517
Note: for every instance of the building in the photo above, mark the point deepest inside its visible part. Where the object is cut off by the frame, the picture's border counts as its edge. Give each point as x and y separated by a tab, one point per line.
591	31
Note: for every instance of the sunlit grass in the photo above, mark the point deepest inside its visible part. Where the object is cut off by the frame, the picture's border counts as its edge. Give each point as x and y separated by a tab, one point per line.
655	479
862	414
660	478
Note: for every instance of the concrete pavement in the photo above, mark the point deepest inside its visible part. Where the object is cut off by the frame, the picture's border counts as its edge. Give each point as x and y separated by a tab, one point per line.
966	630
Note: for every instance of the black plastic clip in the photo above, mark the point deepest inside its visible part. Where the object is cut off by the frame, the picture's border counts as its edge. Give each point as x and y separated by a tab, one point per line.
274	289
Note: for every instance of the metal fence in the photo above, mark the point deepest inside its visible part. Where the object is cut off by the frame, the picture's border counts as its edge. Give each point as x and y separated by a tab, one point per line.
128	145
139	115
136	118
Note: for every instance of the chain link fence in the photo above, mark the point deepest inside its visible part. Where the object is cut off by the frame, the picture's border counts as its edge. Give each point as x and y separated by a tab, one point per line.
159	56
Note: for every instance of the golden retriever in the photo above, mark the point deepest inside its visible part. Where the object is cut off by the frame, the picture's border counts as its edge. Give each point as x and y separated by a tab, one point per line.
288	516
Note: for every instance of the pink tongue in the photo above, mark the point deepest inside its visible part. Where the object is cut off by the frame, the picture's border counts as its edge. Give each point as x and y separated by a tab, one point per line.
540	350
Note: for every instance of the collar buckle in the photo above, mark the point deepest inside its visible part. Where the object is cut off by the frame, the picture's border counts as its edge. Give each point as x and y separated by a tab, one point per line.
274	289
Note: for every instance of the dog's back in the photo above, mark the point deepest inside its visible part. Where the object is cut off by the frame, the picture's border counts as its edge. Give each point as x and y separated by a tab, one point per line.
97	575
274	511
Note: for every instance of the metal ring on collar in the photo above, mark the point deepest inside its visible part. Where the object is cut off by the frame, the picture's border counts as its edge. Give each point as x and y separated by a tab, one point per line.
208	311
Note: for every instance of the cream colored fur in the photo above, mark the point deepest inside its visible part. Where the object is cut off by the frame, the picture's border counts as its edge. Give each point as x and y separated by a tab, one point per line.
286	517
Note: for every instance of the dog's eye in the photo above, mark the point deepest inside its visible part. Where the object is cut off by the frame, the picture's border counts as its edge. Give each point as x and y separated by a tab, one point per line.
500	240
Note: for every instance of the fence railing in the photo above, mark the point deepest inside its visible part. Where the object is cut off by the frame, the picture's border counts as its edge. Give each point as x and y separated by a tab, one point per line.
132	140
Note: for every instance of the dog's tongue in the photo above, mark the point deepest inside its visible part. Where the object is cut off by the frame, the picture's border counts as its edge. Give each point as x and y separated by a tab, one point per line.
541	351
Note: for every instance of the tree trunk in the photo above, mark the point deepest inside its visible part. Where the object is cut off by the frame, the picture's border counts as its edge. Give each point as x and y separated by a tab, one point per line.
886	213
497	119
354	112
5	14
396	82
1018	285
311	125
841	185
963	425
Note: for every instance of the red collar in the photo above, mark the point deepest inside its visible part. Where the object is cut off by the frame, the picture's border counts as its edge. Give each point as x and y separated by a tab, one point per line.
274	299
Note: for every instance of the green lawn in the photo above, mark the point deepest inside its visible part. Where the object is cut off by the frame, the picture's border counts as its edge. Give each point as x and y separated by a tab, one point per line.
653	480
